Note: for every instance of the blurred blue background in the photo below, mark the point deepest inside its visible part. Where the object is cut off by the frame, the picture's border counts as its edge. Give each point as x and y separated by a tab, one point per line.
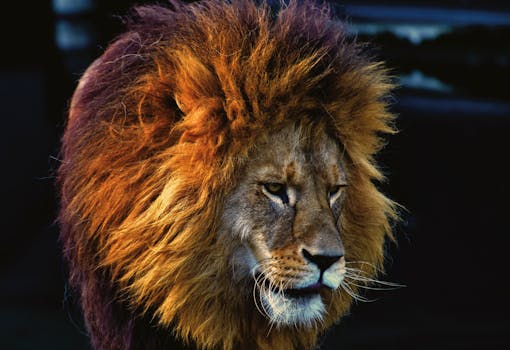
447	166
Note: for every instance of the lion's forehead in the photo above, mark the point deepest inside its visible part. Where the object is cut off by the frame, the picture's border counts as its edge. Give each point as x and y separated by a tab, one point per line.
293	156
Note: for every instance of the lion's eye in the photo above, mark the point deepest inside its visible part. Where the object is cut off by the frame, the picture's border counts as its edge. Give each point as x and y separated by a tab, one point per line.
274	188
335	190
277	189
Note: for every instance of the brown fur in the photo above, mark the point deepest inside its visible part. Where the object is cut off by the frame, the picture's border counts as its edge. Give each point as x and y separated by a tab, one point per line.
159	131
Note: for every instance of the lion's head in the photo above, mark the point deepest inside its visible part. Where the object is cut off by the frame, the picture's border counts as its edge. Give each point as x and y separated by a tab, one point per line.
217	177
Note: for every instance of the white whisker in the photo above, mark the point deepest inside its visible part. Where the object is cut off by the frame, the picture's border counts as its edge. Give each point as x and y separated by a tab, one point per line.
259	285
365	263
354	295
358	271
357	278
369	280
369	287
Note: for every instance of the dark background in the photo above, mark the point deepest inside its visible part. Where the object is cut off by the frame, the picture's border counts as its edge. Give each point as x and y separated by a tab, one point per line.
447	166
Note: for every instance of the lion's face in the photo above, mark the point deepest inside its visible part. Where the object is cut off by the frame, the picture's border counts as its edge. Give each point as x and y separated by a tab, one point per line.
285	214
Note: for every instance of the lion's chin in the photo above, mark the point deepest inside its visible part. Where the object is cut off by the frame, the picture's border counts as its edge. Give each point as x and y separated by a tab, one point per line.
283	310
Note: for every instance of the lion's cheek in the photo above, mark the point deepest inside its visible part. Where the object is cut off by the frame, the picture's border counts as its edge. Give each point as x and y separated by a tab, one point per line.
243	263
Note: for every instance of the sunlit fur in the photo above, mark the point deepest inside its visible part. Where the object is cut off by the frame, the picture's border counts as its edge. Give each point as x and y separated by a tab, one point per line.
160	129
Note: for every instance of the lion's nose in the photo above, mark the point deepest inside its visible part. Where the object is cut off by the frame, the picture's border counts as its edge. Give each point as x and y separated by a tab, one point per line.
322	261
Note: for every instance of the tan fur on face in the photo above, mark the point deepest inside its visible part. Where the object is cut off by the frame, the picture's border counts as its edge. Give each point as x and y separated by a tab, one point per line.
273	234
168	133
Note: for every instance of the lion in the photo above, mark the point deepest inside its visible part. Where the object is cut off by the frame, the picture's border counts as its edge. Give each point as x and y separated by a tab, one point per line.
217	184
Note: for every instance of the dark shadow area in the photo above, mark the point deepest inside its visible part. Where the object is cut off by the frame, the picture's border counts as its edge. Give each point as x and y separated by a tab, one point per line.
447	166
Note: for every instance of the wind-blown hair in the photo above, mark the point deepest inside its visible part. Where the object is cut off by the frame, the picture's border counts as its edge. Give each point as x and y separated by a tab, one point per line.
158	130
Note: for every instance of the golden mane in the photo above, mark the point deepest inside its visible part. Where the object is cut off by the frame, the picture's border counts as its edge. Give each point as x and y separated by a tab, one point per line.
158	128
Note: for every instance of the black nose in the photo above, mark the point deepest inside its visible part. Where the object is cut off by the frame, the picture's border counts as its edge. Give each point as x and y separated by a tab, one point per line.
322	261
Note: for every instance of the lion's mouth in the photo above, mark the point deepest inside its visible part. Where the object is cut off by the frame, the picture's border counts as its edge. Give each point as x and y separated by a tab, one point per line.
308	291
311	290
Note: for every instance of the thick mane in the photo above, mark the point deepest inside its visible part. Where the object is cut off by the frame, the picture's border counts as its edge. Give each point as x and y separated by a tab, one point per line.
158	129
